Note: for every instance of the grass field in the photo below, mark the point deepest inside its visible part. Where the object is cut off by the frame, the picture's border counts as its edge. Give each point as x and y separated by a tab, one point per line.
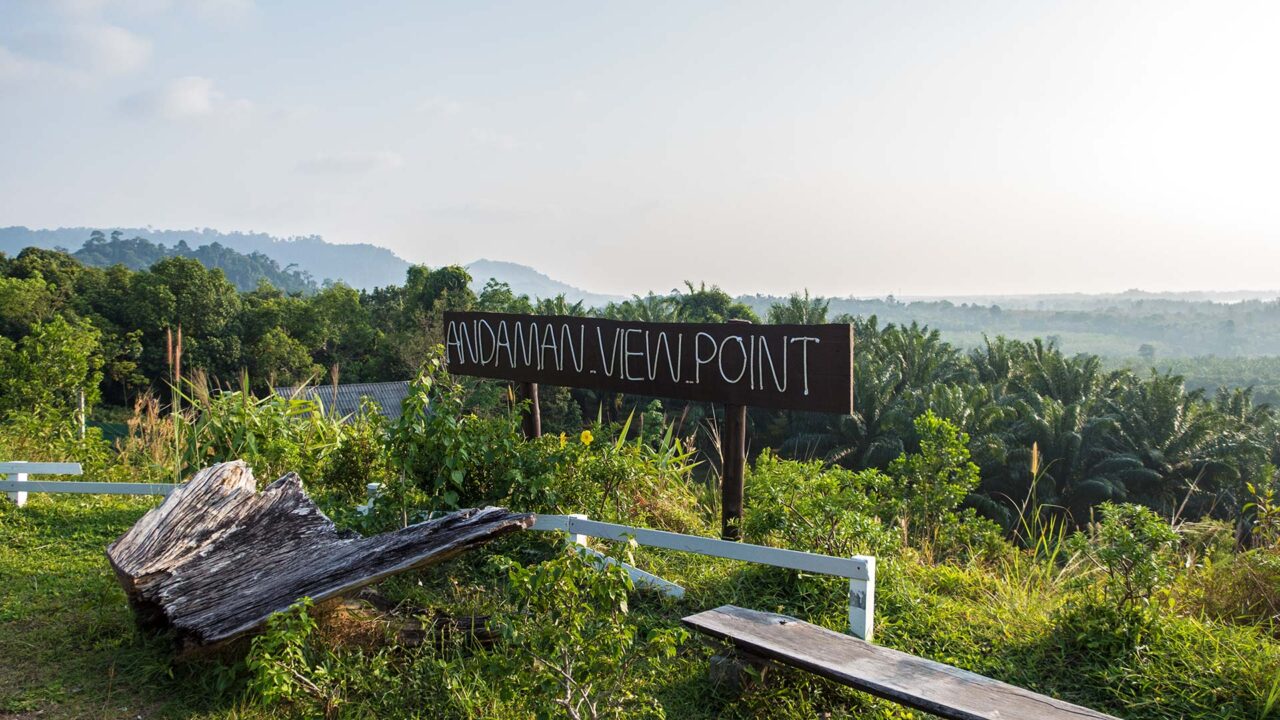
68	647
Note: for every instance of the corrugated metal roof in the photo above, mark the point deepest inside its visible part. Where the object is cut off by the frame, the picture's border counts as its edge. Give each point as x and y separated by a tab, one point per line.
388	396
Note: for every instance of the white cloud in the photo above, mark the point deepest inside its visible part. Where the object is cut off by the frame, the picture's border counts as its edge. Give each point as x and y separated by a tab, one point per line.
102	49
350	163
75	53
187	98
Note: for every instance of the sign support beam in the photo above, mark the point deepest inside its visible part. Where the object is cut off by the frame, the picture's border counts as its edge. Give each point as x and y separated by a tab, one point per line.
533	414
733	471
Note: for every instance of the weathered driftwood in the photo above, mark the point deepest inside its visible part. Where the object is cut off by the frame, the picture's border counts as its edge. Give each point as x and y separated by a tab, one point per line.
218	558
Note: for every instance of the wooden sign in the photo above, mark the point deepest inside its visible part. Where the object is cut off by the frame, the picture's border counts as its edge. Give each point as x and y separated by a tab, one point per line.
796	367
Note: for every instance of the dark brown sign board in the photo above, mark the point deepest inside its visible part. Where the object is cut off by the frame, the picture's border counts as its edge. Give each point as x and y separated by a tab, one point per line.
795	367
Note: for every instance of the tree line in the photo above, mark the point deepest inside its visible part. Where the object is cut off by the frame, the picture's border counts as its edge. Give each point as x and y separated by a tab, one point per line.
1048	430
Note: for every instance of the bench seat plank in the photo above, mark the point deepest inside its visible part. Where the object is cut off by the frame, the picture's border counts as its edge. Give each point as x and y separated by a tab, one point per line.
913	681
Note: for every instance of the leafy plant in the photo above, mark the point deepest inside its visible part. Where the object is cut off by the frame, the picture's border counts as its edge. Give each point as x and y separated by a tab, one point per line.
1131	546
588	654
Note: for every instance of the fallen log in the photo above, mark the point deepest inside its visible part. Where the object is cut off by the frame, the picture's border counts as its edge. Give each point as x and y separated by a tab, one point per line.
218	558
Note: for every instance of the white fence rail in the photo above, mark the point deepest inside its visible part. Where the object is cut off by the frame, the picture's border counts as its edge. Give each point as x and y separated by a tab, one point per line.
860	570
18	486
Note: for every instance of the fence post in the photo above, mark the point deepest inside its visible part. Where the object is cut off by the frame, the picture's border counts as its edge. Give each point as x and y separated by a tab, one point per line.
862	603
19	498
575	538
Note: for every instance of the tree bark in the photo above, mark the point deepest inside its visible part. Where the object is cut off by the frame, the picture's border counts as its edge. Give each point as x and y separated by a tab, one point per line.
218	558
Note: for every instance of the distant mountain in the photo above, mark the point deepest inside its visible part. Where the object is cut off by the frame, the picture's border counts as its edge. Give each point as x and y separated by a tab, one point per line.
245	271
524	280
359	265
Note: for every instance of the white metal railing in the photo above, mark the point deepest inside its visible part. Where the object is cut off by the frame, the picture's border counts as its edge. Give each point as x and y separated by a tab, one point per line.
860	569
19	486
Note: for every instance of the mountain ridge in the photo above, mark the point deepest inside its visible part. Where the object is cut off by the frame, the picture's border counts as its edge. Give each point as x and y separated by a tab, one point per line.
360	265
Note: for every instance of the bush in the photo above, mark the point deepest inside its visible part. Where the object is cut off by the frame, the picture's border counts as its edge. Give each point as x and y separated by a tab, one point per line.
453	458
588	656
359	459
929	485
1132	546
809	506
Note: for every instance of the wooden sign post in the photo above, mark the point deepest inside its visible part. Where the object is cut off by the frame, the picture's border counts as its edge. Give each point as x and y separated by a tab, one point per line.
739	365
532	418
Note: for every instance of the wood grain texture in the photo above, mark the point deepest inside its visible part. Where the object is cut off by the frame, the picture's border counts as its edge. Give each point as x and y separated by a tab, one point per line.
217	558
943	690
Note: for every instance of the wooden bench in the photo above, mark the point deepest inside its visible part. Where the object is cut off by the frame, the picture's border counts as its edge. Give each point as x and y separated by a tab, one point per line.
908	680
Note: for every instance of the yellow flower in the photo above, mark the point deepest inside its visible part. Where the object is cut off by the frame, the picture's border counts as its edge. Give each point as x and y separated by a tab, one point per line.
562	440
586	437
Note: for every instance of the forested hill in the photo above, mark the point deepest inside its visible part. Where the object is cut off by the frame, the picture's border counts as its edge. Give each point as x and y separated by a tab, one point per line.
245	271
358	265
525	280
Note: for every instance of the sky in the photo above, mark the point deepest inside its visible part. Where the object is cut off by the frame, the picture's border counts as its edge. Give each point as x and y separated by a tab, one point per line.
852	148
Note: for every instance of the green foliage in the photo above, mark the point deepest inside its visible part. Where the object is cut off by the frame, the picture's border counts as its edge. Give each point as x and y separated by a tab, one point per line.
458	458
273	434
588	655
245	271
1265	509
24	303
930	484
1241	589
359	459
289	667
799	310
807	506
278	658
46	372
1131	545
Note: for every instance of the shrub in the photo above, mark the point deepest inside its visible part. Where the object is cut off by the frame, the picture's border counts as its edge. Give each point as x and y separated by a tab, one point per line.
809	506
359	459
455	458
929	485
1132	547
588	656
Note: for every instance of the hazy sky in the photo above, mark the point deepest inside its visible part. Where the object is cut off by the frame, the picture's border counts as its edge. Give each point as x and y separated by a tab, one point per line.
850	147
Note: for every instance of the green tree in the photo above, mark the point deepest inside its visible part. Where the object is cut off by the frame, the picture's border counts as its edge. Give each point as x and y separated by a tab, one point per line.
799	310
711	305
46	371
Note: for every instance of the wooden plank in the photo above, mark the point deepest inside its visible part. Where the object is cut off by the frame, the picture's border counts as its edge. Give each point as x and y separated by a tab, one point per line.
855	568
92	488
41	468
796	367
926	685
